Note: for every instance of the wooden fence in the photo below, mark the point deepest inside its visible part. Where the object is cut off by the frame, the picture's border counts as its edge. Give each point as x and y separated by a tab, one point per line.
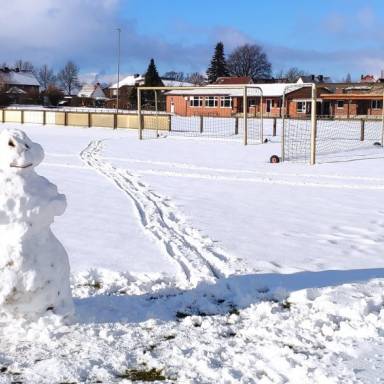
85	119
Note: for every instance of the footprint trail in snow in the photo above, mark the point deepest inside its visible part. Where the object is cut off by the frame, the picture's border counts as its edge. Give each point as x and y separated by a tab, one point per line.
197	256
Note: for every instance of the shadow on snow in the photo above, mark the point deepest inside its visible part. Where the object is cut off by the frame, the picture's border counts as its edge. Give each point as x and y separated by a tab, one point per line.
223	297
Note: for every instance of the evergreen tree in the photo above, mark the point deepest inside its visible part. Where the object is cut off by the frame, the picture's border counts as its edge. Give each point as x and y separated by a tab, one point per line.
218	66
151	79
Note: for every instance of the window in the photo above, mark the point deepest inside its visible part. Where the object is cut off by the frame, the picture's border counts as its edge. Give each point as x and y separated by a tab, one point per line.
301	106
211	101
377	104
251	102
226	102
196	101
340	104
269	105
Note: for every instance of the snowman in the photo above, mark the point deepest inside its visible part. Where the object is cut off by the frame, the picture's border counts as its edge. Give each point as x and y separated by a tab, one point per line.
34	266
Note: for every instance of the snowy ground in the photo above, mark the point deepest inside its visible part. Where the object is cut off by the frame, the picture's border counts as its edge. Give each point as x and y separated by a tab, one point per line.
198	258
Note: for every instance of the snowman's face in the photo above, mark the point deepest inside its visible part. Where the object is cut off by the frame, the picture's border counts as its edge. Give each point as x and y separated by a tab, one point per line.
17	152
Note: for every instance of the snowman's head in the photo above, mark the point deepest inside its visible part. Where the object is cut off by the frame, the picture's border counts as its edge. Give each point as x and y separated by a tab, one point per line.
17	152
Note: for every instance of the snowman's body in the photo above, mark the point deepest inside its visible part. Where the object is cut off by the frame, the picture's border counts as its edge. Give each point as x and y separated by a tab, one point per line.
34	267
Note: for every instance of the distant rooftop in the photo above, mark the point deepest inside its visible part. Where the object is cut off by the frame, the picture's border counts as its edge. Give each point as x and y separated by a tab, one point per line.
17	77
234	80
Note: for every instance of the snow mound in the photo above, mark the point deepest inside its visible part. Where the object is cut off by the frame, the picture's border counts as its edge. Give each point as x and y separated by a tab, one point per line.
34	266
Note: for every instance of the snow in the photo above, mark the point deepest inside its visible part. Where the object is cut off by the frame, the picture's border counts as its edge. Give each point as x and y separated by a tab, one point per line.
268	90
34	269
19	78
197	257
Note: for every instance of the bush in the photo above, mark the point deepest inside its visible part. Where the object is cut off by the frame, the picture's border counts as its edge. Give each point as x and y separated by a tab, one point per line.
4	100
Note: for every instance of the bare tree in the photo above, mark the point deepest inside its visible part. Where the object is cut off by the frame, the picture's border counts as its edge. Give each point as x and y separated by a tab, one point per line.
173	75
249	60
46	77
24	65
68	77
196	78
2	82
293	74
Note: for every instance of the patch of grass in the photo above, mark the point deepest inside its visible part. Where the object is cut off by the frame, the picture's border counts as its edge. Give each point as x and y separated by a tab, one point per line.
181	315
3	369
141	375
150	348
234	311
286	305
169	337
95	285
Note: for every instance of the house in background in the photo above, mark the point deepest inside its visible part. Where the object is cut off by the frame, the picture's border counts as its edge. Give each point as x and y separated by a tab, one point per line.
19	86
128	83
92	95
355	100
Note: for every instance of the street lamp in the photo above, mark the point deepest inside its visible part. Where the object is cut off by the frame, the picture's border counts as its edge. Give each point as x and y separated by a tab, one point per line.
118	69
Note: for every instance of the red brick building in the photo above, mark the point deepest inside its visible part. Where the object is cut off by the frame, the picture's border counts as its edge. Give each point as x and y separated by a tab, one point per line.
219	101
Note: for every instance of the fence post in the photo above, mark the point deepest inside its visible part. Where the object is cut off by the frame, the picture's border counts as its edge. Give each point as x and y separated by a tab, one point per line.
261	120
115	121
139	116
362	129
382	121
274	126
22	116
169	123
283	129
89	120
65	118
201	123
236	125
3	116
313	126
44	117
245	113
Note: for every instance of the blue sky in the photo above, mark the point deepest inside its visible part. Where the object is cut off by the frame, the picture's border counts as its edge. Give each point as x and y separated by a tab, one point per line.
332	37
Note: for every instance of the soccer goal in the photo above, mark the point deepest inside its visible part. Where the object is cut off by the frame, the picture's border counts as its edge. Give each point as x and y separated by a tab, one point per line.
317	127
210	112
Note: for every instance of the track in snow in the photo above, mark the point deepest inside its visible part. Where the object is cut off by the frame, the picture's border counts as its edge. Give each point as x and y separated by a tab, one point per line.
197	256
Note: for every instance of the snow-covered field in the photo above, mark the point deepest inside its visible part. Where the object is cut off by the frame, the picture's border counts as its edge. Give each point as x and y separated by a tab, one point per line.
196	261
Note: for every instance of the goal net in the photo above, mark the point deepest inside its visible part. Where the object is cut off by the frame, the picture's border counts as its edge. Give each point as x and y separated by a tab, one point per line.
310	133
211	112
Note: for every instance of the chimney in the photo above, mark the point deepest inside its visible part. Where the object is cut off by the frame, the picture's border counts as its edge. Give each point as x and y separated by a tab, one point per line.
313	77
321	78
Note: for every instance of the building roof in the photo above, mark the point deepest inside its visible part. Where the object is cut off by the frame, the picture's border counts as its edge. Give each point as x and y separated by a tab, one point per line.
234	80
175	83
92	91
367	79
352	96
14	77
314	79
268	90
130	80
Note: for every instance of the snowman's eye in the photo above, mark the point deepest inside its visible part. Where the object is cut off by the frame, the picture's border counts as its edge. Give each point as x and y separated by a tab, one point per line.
11	143
27	146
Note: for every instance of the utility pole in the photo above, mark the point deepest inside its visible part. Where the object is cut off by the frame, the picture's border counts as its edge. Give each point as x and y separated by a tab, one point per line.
118	70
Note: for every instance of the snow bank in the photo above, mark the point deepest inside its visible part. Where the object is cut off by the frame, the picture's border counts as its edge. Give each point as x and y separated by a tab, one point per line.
34	267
